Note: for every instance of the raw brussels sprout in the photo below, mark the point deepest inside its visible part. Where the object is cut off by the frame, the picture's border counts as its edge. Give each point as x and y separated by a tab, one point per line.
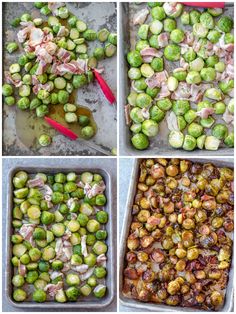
18	281
226	86
169	25
220	131
86	290
180	74
201	141
140	84
110	50
140	141
212	61
181	123
231	106
146	70
213	93
225	24
229	140
141	44
150	128
90	259
99	291
136	115
87	132
168	8
39	295
60	296
177	36
7	90
193	77
158	13
155	27
157	64
72	280
190	116
152	92
136	128
176	139
134	73
100	272
180	107
207	122
215	11
112	38
172	52
143	100
172	83
100	200
229	38
214	36
45	140
207	20
19	295
72	293
101	235
189	143
219	107
195	129
134	59
143	31
194	17
93	225
156	114
212	143
208	74
197	64
164	104
185	18
189	55
31	276
10	101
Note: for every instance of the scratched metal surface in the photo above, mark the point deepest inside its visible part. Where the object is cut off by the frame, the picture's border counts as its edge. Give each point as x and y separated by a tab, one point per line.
20	129
158	145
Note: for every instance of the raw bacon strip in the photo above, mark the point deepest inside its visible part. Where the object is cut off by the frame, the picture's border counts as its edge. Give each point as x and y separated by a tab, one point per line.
35	182
140	17
205	112
10	80
163	39
157	79
52	289
151	52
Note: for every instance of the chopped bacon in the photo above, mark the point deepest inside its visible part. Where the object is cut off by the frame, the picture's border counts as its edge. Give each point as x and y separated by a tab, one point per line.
152	220
229	71
206	197
172	122
21	269
147	59
164	92
84	246
151	52
52	289
87	274
36	182
228	117
51	48
157	79
158	256
140	17
23	34
36	37
163	39
183	64
73	67
189	38
145	113
81	268
205	112
43	55
182	92
53	6
41	67
127	114
197	91
63	55
196	45
80	184
27	231
66	267
94	190
10	80
184	48
101	260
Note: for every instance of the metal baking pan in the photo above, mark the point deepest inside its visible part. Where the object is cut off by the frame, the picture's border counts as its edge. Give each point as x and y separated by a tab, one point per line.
228	305
90	302
159	145
21	129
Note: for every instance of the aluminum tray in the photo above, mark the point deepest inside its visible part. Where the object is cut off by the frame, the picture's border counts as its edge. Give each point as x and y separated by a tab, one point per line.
90	302
159	145
21	129
228	305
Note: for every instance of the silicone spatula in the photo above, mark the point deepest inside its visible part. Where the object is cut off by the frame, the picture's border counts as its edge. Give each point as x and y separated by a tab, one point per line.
220	5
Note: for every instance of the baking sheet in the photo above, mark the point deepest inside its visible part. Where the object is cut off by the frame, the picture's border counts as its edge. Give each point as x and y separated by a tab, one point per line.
229	298
21	129
159	145
90	302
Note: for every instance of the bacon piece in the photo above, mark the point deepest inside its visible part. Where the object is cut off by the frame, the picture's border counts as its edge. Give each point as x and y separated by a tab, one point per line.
73	67
183	64
164	92
94	190
27	231
145	113
23	34
228	117
56	274
80	184
152	220
51	48
87	274
21	269
196	45
35	37
147	59
158	256
184	48
41	67
205	112
62	31
182	92
52	289
10	80
189	38
151	52
35	182
163	39
206	197
63	55
131	273
197	91
84	246
81	268
157	79
53	6
172	122
101	260
43	55
140	17
127	114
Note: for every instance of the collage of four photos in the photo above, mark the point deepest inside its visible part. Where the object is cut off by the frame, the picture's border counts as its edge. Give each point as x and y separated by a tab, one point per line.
117	156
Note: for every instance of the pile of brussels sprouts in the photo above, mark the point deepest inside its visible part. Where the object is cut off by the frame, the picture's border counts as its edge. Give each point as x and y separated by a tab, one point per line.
76	42
146	110
52	221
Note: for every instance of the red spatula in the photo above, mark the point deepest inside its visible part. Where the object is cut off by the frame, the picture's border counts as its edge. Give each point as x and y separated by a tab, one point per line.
220	5
105	88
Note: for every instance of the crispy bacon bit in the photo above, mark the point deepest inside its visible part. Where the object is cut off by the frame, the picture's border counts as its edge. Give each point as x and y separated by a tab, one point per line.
140	17
158	256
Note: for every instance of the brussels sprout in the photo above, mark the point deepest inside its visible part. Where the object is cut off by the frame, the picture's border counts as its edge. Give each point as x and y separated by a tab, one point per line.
99	291
190	116
140	141
143	31
15	22
10	101
172	83
225	24
101	234
168	8
152	92
83	120
112	38
18	281
226	86
21	193
60	296
110	50
103	35
87	132
180	107
193	77
134	73
180	74
100	200
195	129
231	106
136	128
39	295
215	11
219	107
155	27
7	90
100	272
48	253
212	61
189	55
16	238
157	64
220	131
93	225
229	38
146	70
141	44
156	114
176	139
11	47
72	293
78	81
177	36
92	281
45	140
90	259
140	84
72	280
19	249
194	17
86	209
208	74
150	128
158	13
207	20
23	103
229	140
189	143
172	52
201	141
212	143
58	229
207	122
164	104
143	100
181	123
47	218
185	18
32	276
169	25
213	93
90	34
19	295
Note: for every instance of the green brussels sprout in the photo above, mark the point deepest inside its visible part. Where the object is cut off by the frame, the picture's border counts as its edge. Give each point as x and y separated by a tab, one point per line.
31	276
134	73
39	234
103	35
45	140
143	100
101	235
100	200
57	265
11	47
7	90
136	128
220	131
93	225
229	140
164	104
39	295
143	31
212	61
212	143
229	38
18	281
197	64
134	59
90	239
172	52
140	141
102	217
152	92
194	16
214	36
99	248
156	27
189	55
177	35
16	238
90	35
44	266
10	101
86	209
99	291
158	13
40	284
87	132
19	295
207	20
41	110
24	90
92	281
190	116
157	64
78	81
21	193
201	141
231	106
176	139
83	120
99	53
23	103
226	86
58	229
195	129
172	83
100	272
82	219
169	25
19	249
132	98
204	104
193	77
112	38
57	197
90	259
169	11
47	218
150	128
215	11
73	225
180	107
156	114
15	22
189	142
110	50
60	296
152	42
181	123
81	26
208	74
72	280
48	253
180	74
146	70
72	294
140	84
225	24
60	178
185	18
141	44
219	107
86	290
76	260
207	122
